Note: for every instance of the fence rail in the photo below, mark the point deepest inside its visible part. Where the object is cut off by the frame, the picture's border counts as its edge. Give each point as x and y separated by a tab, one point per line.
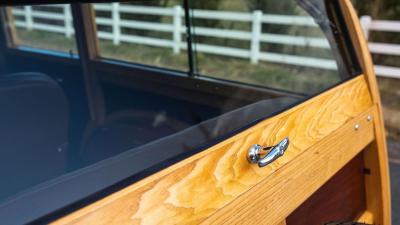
27	18
382	48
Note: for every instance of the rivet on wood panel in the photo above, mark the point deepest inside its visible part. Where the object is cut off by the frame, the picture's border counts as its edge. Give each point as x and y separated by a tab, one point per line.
357	126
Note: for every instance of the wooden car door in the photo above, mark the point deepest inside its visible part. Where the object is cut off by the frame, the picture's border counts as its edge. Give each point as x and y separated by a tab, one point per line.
262	113
332	133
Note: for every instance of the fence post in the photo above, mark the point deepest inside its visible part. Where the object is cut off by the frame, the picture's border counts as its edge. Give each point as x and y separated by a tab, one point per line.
255	36
28	17
177	28
365	24
115	26
67	21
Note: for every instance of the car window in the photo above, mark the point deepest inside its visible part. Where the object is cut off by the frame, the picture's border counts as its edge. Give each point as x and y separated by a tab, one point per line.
48	27
155	82
264	43
145	32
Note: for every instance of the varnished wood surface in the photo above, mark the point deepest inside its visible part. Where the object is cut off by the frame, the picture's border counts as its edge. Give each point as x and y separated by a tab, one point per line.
378	183
282	223
366	217
198	187
10	32
341	199
288	187
374	187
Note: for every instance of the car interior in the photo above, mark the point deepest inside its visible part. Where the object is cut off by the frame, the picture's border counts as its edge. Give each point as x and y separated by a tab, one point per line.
64	111
49	99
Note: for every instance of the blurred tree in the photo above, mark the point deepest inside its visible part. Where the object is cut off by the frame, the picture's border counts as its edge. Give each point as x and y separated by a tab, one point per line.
283	7
379	9
273	6
206	5
148	18
384	10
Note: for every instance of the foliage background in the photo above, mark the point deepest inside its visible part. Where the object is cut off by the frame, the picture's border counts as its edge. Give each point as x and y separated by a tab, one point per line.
390	88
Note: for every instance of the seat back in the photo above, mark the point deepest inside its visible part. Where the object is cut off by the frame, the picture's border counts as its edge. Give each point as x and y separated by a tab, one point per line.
33	130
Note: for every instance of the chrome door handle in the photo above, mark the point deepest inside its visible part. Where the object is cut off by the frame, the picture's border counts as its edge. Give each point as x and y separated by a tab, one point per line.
254	153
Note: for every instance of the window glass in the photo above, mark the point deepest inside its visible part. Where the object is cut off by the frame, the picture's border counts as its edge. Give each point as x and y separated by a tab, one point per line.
265	43
47	27
144	32
70	130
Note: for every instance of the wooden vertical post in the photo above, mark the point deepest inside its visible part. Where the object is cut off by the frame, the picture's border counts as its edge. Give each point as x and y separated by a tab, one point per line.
6	38
87	43
8	21
67	21
115	25
255	36
365	24
177	24
375	157
28	17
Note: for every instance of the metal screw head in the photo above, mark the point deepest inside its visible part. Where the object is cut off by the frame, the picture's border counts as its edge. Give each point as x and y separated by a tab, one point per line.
369	118
357	126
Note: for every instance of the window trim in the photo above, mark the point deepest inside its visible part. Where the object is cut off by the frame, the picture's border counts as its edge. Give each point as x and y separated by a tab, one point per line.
88	49
43	53
11	38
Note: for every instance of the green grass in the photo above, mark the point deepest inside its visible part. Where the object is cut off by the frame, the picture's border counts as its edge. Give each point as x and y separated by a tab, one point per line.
46	40
285	77
159	57
298	79
390	93
291	78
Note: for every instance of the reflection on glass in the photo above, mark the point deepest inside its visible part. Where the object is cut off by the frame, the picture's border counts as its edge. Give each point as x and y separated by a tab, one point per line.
145	32
48	27
146	124
267	43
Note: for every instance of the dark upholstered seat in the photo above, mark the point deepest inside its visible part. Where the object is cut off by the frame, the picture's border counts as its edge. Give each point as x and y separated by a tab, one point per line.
33	130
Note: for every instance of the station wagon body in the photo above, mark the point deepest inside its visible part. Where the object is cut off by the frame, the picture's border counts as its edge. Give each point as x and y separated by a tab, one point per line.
189	112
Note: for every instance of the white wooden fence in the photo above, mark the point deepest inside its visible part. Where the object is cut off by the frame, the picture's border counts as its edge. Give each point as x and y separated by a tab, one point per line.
26	18
382	48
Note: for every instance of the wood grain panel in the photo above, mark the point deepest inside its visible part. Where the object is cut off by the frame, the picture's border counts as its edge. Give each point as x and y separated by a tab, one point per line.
378	184
274	198
366	217
341	199
193	189
282	223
